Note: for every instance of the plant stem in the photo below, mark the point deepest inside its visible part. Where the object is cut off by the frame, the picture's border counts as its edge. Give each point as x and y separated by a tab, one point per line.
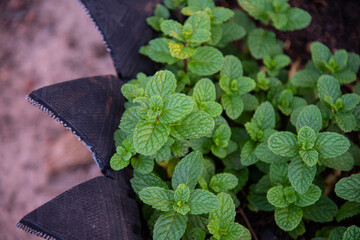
241	211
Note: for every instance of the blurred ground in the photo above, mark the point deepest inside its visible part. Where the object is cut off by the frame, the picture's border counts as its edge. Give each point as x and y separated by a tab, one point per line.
41	43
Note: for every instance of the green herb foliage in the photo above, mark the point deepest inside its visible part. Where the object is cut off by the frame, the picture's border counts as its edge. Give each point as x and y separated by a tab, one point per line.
210	122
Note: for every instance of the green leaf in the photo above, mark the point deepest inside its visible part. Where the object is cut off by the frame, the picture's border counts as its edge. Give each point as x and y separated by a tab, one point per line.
259	201
157	197
199	20
301	175
255	8
233	105
231	32
279	174
117	162
260	42
323	210
298	231
221	15
264	116
284	144
206	61
276	197
352	233
309	197
305	78
350	101
149	136
182	193
340	59
176	107
141	181
349	188
223	182
188	170
129	120
307	137
196	124
244	85
158	50
348	210
204	90
320	54
172	28
346	121
353	62
328	86
170	225
236	231
212	108
337	233
255	133
345	76
252	103
202	201
310	157
344	162
309	116
232	67
248	156
296	19
288	218
330	144
178	50
216	35
222	135
143	164
163	83
225	212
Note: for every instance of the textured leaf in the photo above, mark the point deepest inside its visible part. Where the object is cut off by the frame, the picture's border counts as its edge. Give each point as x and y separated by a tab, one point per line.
223	182
320	54
221	15
353	62
349	188
233	105
307	137
251	101
231	32
264	116
344	162
346	76
204	90
163	83
182	193
176	107
301	175
254	8
170	226
248	156
158	50
328	86
225	212
309	197
330	144
296	19
143	164
305	78
117	162
259	201
129	120
279	173
288	218
206	61
244	85
324	210
178	50
236	231
222	135
212	108
347	210
284	144
199	20
196	124
255	133
346	121
276	197
310	157
260	42
149	136
298	231
172	28
309	116
340	58
337	233
188	170
202	201
141	181
350	101
157	197
232	67
352	233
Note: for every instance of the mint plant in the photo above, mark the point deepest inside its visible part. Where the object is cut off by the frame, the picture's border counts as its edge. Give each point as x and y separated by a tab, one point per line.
221	132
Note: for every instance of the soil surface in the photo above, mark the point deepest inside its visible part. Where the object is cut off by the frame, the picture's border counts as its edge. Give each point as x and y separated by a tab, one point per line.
46	42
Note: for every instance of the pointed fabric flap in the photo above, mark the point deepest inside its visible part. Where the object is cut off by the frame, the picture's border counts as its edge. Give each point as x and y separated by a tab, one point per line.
123	27
90	107
97	209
